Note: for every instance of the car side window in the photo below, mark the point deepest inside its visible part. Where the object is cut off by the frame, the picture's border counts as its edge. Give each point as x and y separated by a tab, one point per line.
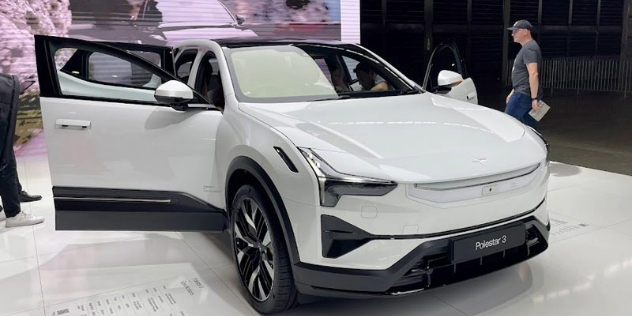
184	70
109	69
351	65
184	63
207	80
444	59
93	74
363	76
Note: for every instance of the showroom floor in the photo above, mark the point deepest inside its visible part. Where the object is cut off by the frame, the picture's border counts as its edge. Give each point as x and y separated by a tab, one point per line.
586	271
592	130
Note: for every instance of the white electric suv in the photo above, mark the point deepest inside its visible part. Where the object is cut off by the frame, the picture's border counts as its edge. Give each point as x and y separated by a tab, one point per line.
334	173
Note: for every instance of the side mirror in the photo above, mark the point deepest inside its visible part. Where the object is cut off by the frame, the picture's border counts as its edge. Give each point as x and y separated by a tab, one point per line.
174	94
448	78
240	19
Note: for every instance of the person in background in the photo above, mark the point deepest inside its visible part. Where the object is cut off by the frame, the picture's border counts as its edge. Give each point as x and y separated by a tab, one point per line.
338	79
526	91
23	196
10	189
368	78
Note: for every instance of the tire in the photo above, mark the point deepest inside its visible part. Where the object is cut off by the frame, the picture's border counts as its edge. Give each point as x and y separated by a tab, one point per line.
261	255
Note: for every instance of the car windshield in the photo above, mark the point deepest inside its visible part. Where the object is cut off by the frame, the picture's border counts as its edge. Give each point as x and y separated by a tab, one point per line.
206	12
306	72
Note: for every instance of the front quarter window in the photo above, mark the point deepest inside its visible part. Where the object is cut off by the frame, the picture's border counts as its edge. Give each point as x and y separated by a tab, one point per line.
277	74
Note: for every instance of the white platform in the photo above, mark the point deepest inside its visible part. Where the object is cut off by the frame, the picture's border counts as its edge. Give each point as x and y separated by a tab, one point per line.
586	271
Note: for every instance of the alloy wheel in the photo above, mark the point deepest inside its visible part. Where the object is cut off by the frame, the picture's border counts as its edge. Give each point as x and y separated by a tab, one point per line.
253	249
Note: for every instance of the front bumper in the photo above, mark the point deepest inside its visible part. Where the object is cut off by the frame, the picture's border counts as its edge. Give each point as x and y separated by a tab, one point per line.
427	266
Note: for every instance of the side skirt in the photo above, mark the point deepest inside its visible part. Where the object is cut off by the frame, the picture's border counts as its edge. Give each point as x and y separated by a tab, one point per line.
134	210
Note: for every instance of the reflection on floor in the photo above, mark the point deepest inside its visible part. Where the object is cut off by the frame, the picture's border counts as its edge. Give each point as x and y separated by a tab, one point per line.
586	271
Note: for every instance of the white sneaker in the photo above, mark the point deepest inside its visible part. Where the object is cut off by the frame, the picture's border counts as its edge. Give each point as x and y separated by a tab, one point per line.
23	219
2	216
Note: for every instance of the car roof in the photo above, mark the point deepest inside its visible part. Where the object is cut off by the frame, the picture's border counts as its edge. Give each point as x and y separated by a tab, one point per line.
234	42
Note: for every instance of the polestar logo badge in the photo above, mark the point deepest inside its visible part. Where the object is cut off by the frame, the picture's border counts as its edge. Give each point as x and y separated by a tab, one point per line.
479	160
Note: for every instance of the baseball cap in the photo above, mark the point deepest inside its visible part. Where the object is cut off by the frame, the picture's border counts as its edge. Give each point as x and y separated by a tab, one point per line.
521	25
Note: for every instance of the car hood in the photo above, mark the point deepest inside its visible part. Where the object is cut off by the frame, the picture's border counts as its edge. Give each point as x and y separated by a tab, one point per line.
417	138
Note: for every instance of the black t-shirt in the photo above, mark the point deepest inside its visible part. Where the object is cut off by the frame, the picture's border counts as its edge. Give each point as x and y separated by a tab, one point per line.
530	53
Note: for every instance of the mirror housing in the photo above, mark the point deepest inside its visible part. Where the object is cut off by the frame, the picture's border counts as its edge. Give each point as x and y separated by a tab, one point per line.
240	19
448	78
174	94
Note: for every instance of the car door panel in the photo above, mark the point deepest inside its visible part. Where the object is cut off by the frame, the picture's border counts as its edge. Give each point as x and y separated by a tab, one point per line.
446	56
464	91
118	159
148	148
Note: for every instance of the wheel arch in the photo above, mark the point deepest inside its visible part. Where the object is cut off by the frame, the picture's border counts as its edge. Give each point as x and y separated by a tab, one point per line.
244	170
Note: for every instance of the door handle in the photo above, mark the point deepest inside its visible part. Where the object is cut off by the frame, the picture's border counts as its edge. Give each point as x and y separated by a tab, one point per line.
72	124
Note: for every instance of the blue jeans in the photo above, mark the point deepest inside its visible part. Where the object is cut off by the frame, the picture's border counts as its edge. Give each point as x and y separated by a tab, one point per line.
519	106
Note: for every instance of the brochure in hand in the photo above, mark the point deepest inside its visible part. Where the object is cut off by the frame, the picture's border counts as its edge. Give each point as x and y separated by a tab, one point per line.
539	114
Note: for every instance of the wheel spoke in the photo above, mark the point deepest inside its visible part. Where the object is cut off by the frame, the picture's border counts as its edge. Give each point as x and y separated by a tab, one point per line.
269	269
259	221
241	236
247	215
251	282
244	228
267	242
247	260
244	252
263	294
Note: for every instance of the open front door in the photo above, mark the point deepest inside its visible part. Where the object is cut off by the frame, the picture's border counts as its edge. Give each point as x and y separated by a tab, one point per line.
119	160
446	74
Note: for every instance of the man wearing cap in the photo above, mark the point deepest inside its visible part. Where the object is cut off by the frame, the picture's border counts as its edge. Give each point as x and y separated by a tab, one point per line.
526	88
368	78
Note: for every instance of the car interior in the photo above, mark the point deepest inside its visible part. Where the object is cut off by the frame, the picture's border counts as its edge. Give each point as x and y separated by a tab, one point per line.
347	83
209	82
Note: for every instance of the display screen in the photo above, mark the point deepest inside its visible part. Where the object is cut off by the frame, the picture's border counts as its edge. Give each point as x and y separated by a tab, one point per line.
158	22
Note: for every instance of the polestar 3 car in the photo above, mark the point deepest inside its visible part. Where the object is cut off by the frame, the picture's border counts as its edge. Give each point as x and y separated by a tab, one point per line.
334	174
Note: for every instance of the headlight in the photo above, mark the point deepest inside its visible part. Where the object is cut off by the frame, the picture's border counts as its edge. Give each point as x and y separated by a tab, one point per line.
333	184
546	144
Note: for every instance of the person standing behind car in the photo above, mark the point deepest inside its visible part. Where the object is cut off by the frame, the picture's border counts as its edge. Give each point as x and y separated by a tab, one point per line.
9	91
526	91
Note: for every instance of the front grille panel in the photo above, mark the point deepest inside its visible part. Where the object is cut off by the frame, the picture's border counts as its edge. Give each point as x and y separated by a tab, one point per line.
436	270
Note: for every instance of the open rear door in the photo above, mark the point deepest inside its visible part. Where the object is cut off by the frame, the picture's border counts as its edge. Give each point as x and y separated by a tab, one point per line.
446	57
119	160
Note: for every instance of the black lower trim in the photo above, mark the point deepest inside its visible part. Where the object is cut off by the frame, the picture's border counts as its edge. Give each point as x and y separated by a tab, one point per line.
427	266
136	210
139	221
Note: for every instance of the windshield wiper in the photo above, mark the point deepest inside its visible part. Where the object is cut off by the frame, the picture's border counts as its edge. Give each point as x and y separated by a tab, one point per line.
340	97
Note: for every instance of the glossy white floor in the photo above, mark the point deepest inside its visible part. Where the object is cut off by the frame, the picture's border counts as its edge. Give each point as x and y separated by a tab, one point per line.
586	271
